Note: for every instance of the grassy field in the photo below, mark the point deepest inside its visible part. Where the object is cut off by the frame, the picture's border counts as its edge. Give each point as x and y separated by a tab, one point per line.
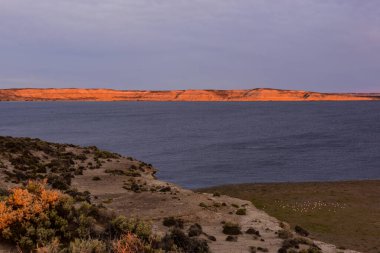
346	214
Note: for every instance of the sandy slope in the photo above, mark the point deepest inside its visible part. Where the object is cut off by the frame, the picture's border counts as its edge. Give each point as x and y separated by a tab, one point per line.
184	204
174	95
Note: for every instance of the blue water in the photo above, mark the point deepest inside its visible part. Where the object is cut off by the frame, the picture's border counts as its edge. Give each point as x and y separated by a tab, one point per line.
204	144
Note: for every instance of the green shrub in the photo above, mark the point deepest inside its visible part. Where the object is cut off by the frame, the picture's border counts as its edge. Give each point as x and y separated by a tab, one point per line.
301	231
182	241
231	229
252	231
87	246
241	211
122	225
231	238
195	230
284	234
203	205
173	222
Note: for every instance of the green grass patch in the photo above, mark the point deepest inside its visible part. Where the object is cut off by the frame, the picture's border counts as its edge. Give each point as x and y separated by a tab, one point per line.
342	213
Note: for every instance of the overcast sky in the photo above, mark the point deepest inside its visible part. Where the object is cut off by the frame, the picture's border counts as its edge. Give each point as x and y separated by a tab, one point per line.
321	45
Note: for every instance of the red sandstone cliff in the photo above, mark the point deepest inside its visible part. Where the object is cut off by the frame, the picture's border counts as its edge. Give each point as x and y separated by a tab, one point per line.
174	95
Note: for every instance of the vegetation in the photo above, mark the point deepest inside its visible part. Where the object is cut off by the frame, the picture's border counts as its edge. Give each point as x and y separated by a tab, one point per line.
241	211
173	222
44	213
231	229
36	217
185	243
195	230
341	213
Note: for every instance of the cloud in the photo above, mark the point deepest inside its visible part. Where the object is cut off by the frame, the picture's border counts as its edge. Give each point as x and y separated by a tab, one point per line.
165	44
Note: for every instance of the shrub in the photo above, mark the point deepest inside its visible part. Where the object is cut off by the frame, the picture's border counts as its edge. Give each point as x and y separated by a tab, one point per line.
128	243
231	238
231	229
122	225
104	154
87	246
301	231
96	178
241	211
187	244
114	172
211	238
284	234
262	249
173	222
252	231
3	192
295	242
202	205
34	215
195	230
165	189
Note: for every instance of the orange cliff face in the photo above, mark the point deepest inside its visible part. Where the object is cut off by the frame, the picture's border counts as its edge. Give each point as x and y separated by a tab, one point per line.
174	95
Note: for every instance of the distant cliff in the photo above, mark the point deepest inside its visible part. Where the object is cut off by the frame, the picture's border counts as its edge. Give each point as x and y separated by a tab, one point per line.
176	95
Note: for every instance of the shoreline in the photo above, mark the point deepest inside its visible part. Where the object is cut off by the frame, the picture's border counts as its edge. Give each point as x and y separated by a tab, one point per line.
248	95
128	187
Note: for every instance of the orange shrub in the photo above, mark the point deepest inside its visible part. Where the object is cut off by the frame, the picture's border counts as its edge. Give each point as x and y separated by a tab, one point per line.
23	204
128	243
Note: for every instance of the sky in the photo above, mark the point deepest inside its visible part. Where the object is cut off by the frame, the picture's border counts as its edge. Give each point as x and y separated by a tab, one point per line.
318	45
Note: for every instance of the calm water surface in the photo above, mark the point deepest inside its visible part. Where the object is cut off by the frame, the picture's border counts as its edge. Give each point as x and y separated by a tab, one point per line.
204	144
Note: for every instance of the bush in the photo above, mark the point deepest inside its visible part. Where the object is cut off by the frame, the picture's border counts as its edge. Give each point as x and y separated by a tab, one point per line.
34	215
252	231
104	154
128	243
187	244
87	246
195	230
284	234
122	225
96	178
173	222
231	229
295	242
231	238
3	192
301	231
241	211
216	194
203	205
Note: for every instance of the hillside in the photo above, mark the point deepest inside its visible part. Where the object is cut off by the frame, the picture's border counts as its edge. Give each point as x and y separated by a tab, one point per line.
125	186
175	95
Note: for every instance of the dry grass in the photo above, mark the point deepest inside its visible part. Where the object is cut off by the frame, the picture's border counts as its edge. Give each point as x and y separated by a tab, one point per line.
346	214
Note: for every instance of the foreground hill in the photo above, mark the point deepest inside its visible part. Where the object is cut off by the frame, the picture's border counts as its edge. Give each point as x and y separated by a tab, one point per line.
176	95
128	187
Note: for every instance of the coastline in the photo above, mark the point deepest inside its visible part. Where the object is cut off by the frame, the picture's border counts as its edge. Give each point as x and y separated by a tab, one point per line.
128	187
250	95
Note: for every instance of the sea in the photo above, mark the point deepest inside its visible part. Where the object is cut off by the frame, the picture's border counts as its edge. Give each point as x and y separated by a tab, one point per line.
202	144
